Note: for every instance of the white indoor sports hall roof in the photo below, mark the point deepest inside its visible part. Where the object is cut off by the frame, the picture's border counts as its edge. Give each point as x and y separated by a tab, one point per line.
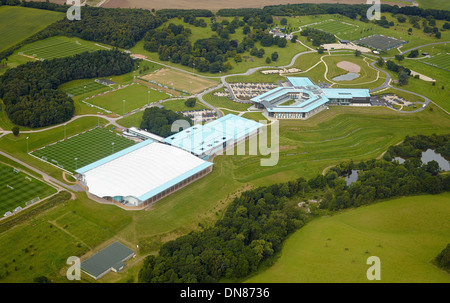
141	171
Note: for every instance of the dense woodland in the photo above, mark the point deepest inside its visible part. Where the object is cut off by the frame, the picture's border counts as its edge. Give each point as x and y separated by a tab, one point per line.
257	222
159	121
30	91
212	54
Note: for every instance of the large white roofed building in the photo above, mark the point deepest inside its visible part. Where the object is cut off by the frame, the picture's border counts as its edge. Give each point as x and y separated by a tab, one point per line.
143	173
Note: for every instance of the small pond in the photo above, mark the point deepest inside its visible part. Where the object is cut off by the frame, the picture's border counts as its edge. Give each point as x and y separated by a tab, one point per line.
428	156
400	160
346	77
353	177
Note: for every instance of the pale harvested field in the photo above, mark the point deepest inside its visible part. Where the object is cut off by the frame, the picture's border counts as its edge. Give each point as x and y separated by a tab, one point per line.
349	66
179	80
214	4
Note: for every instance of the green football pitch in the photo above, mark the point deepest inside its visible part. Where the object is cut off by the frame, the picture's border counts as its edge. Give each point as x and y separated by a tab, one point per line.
17	188
57	47
335	27
135	96
83	149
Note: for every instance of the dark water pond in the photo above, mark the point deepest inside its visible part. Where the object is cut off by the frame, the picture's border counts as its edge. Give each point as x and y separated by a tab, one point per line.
430	155
346	77
353	177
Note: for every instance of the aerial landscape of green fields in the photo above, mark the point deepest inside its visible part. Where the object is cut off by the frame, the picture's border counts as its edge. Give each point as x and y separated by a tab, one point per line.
254	145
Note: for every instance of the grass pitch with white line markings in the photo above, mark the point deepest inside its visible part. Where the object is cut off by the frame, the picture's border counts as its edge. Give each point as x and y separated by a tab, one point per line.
17	188
87	147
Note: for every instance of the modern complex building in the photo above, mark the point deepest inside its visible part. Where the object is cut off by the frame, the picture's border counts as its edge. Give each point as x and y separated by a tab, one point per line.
301	99
152	169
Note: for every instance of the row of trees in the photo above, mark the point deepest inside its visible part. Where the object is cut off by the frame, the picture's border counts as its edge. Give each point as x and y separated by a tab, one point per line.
318	37
159	121
403	72
30	91
257	222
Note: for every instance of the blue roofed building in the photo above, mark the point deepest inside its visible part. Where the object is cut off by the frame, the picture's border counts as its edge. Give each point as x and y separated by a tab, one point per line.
212	138
144	173
301	99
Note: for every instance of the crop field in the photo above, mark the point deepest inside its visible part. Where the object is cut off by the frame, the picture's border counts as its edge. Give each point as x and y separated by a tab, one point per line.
405	233
440	60
57	47
135	96
18	23
87	147
17	188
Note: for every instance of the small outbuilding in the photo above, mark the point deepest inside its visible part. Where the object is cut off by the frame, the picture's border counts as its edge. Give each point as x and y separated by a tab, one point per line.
110	258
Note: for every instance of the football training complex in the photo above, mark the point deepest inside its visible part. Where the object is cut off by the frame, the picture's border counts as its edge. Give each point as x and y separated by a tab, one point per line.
146	172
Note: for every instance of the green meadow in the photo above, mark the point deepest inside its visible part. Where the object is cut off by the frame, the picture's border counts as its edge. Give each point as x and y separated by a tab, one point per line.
57	47
405	233
18	23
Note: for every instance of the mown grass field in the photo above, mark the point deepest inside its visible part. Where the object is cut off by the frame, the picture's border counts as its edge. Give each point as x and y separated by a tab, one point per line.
85	88
18	23
22	188
405	233
17	146
135	96
338	28
57	47
87	147
441	61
